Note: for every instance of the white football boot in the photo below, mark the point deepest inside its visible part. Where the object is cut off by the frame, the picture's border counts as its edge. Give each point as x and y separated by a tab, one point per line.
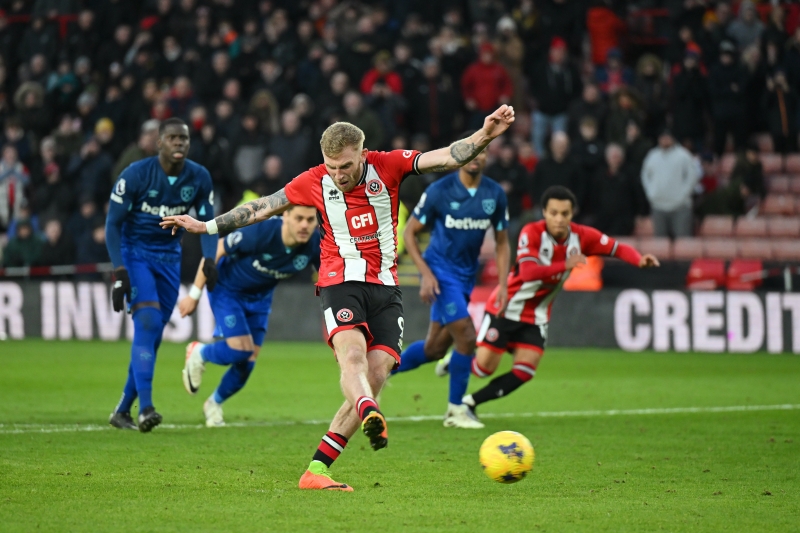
213	412
443	365
193	368
460	416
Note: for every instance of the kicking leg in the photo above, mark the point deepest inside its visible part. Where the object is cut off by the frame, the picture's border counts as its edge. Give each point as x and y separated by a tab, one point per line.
343	427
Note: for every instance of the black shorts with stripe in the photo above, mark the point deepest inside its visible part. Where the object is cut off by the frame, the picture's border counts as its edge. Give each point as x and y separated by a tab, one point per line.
502	335
375	309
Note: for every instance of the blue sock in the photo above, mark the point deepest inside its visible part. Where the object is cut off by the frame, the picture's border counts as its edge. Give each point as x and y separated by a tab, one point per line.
220	353
460	368
412	357
128	393
147	328
233	380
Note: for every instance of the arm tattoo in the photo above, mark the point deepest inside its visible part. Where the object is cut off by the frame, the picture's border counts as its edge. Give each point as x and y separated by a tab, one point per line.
463	152
251	212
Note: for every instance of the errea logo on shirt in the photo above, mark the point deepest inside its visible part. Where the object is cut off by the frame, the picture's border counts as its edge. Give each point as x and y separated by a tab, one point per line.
466	223
164	210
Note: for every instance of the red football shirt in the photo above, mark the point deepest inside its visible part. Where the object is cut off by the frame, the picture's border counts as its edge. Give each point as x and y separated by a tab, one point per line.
359	228
531	301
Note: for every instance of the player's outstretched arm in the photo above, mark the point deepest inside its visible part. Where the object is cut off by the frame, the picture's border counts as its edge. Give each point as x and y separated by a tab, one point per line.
503	260
249	213
462	152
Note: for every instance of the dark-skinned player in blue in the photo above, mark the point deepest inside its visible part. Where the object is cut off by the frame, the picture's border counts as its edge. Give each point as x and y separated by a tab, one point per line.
459	208
251	262
147	260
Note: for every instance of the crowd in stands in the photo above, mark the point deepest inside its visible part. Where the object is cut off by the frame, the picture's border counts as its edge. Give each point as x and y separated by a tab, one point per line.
634	120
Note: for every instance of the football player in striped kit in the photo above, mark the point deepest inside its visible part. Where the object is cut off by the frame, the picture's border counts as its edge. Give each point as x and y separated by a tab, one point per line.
356	193
547	252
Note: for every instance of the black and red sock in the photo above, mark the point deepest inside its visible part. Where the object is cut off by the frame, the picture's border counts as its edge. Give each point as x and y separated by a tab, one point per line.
331	445
504	385
365	405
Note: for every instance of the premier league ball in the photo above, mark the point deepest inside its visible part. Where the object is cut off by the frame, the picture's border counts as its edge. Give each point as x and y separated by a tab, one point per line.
507	456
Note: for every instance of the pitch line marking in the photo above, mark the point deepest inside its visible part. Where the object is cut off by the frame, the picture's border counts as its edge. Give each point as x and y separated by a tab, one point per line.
11	429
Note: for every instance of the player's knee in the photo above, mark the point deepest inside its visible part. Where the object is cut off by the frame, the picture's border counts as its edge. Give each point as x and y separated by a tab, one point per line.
352	356
482	371
243	344
243	368
434	351
466	342
148	320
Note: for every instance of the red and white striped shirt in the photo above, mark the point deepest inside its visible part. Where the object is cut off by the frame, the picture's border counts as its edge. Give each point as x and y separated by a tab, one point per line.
531	300
359	228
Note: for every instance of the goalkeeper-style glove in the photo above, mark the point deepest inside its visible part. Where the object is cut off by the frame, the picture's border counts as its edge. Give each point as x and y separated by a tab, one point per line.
122	288
210	272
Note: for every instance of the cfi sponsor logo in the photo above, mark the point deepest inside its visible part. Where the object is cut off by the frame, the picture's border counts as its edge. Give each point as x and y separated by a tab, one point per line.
344	315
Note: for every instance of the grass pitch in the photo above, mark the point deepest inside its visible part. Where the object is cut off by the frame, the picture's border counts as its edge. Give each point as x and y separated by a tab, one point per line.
624	442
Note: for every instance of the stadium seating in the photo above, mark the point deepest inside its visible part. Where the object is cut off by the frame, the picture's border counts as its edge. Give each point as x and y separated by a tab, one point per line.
794	184
771	163
779	184
661	247
644	227
783	226
755	249
726	164
764	142
720	248
751	227
786	250
792	164
741	275
778	204
687	248
706	274
717	226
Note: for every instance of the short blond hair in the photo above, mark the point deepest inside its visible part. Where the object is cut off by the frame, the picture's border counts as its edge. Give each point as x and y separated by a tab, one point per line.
339	136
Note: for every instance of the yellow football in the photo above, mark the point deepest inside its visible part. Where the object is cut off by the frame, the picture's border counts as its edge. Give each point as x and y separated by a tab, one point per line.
507	456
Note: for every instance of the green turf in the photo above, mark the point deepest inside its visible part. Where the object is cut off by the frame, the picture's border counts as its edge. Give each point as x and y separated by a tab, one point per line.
718	471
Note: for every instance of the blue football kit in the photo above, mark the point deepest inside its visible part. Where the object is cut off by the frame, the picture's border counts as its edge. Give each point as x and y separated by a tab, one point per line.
458	218
143	194
255	261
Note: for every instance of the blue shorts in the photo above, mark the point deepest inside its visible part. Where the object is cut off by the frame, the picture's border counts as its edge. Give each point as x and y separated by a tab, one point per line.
238	314
452	300
153	281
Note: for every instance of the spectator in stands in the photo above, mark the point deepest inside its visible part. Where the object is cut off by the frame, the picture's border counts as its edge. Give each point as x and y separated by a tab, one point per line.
726	82
250	145
181	98
744	191
14	135
512	177
511	54
24	248
613	197
105	133
90	170
652	89
39	38
91	246
265	108
53	198
614	75
779	103
669	176
564	19
433	102
271	78
625	106
145	146
558	169
689	99
775	31
12	186
554	84
636	149
272	178
364	118
293	144
588	151
58	248
747	28
382	75
67	136
590	104
33	115
485	85
605	28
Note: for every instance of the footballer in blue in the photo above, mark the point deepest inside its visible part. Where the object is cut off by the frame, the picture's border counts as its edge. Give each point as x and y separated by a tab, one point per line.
459	209
147	260
251	261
